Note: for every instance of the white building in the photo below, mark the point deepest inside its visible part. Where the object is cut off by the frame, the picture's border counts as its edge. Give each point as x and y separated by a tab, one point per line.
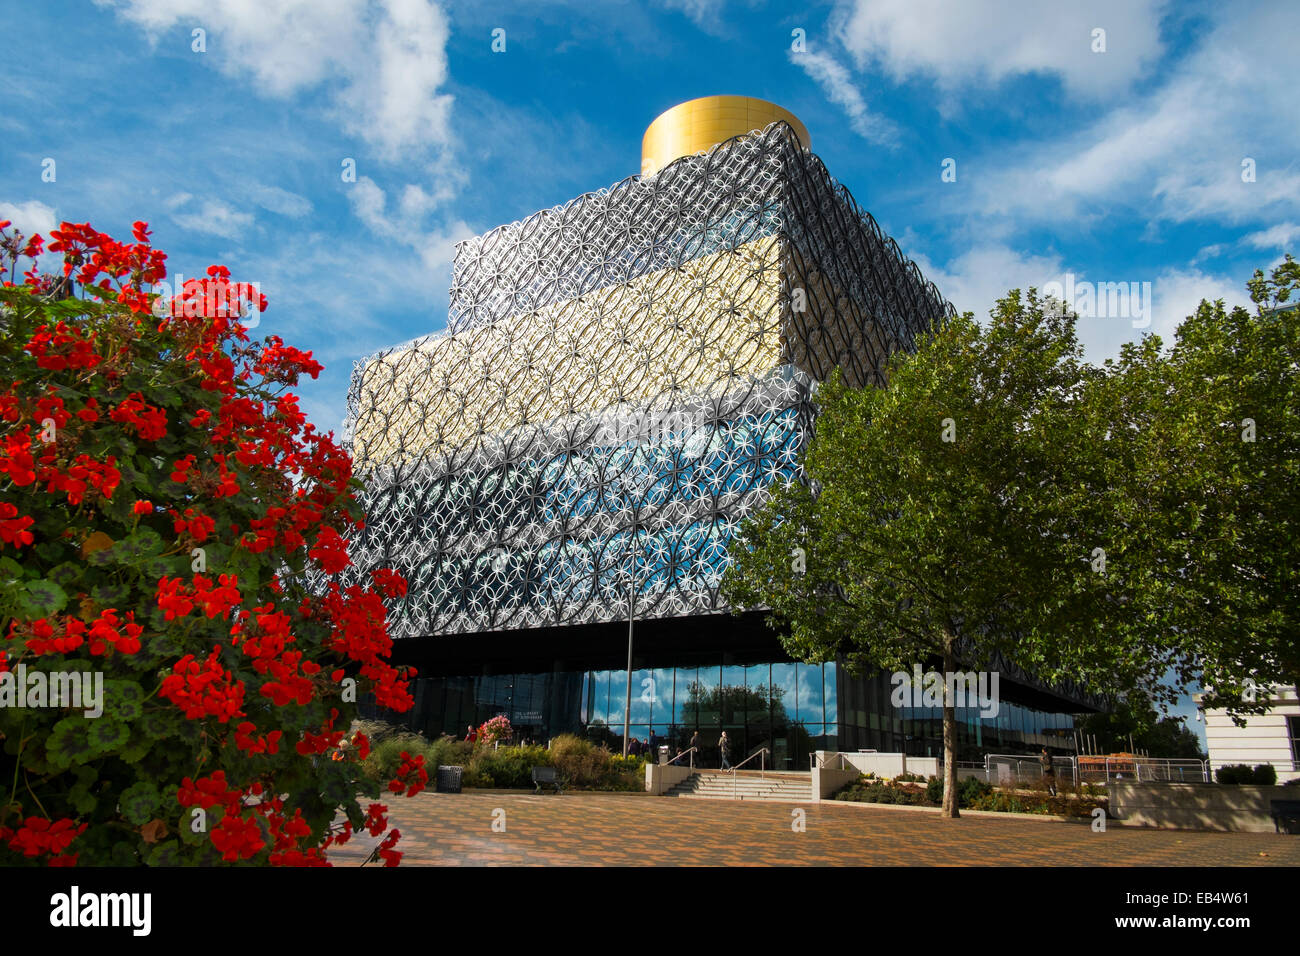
1272	737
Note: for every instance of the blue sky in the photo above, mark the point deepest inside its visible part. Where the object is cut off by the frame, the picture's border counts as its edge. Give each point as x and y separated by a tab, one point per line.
1122	165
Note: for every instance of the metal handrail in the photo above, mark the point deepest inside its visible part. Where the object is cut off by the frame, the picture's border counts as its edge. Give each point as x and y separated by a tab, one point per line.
673	762
760	751
815	761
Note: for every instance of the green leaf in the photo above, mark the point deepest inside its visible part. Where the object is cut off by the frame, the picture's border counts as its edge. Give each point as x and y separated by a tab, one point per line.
123	699
45	598
106	733
167	853
139	802
70	742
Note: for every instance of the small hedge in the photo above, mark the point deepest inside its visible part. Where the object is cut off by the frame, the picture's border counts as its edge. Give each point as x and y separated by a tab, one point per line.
582	765
975	794
1264	774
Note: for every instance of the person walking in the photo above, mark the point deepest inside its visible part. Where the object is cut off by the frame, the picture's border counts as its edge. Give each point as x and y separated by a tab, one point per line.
1049	771
724	748
695	747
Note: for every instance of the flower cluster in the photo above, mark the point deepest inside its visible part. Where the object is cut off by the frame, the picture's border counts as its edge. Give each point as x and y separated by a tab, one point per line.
411	775
178	520
104	632
204	689
40	837
498	728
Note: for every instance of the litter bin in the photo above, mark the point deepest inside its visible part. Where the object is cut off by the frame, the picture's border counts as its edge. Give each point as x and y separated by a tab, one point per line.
663	755
449	779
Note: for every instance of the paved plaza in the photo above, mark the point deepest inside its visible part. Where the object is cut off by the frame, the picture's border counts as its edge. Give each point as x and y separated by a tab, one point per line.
605	829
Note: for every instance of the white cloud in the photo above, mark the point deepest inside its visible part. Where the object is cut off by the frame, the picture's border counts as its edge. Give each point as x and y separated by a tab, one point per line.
383	61
1175	152
1282	237
991	40
1178	293
405	223
704	13
280	201
975	280
212	216
30	217
836	82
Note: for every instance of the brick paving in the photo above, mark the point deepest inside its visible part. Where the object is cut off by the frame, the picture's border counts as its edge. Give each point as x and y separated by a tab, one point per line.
601	829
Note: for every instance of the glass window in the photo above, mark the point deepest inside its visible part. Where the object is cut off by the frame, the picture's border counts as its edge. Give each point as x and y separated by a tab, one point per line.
598	697
705	690
812	709
829	694
643	694
685	705
733	697
617	697
1293	728
758	694
783	694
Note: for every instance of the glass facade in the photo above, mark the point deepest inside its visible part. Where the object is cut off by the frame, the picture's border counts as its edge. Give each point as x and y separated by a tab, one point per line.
870	721
793	709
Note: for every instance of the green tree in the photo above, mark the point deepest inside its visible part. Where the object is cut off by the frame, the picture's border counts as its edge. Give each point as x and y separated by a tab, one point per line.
961	512
1230	397
1136	726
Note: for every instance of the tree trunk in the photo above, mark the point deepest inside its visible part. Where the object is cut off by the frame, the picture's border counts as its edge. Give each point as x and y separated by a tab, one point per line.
949	731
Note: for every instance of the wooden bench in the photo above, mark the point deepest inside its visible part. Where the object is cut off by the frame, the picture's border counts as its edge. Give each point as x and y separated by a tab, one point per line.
546	776
1286	815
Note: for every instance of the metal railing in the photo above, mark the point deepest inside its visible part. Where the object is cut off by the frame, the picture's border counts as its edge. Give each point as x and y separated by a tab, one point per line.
692	751
823	763
1012	769
1141	769
761	751
1025	768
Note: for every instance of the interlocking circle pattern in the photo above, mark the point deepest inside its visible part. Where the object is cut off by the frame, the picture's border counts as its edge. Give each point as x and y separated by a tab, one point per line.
622	380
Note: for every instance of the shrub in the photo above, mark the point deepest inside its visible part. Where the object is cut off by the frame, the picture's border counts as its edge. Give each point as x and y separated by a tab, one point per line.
377	731
1265	774
508	766
580	762
449	752
1239	773
934	791
385	757
971	790
867	790
909	778
171	523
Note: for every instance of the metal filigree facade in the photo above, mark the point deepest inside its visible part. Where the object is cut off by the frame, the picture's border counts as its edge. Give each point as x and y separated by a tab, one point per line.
622	380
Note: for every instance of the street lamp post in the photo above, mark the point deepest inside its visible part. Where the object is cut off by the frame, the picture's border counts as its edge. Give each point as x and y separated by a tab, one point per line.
631	619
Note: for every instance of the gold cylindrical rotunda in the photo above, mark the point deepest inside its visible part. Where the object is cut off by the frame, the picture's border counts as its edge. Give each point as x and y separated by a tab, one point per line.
698	125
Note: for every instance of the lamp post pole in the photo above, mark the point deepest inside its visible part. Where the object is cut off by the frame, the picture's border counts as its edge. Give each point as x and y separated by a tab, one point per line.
631	617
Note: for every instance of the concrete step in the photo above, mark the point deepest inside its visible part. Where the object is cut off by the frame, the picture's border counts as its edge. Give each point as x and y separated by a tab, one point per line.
786	786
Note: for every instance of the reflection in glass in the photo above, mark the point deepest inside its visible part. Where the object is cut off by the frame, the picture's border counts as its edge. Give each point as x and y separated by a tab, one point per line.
643	694
684	706
704	692
733	699
617	698
810	706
